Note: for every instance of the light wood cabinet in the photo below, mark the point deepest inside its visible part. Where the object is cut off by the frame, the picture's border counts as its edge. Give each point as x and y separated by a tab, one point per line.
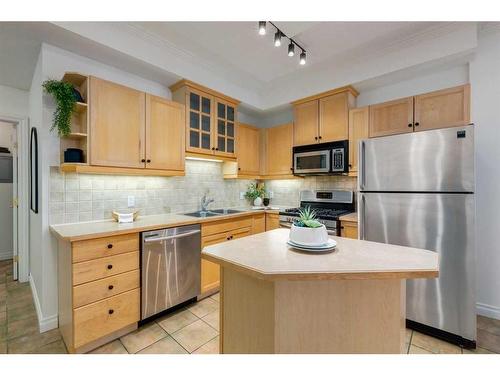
117	123
248	139
443	108
259	223
165	143
394	117
272	220
358	129
305	127
278	150
324	117
349	229
210	119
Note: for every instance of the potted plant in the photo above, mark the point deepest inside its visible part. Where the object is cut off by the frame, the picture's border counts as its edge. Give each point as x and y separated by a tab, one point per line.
255	193
307	230
66	97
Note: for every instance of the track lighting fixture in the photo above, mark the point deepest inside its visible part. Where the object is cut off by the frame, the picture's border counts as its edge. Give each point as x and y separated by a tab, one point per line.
262	27
277	41
303	58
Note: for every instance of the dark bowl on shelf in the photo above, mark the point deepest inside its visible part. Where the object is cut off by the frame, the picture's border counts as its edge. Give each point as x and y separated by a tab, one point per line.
73	155
266	201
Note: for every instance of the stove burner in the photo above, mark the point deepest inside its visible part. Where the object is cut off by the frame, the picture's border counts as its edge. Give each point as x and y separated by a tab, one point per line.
321	213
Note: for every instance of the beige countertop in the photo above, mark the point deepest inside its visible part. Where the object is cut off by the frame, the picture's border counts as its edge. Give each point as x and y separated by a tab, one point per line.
267	256
352	217
97	229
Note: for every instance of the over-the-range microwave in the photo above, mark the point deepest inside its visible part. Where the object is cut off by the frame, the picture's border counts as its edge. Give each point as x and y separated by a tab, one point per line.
321	158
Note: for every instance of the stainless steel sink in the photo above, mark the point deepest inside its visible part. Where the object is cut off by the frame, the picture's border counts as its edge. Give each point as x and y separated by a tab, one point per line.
210	213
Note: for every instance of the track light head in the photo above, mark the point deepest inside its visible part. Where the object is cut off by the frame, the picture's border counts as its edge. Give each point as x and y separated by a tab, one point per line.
303	58
291	49
277	39
262	27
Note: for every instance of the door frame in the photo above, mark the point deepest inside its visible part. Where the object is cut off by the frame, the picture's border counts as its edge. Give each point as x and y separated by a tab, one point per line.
22	243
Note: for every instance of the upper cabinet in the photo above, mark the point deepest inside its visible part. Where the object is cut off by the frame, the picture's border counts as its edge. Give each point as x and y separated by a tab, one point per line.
358	129
131	132
117	125
210	120
434	110
323	117
443	108
394	117
248	150
277	151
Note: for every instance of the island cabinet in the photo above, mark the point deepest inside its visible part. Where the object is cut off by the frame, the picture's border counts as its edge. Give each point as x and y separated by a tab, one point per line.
210	120
358	129
437	109
323	117
99	290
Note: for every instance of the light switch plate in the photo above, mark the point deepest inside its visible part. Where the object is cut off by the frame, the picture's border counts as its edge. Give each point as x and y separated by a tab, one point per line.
130	201
271	194
242	195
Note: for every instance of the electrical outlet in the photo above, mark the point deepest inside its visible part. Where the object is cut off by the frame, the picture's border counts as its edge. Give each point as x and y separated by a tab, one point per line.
242	195
130	201
271	194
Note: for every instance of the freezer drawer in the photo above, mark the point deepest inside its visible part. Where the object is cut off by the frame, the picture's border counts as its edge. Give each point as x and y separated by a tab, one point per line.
432	161
439	222
170	268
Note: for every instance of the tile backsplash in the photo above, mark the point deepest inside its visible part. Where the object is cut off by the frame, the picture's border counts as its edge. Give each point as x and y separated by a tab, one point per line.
286	192
85	197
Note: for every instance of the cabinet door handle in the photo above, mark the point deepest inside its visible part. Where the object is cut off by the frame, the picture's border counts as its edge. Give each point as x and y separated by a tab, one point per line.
110	287
216	149
110	266
143	160
341	227
320	137
228	238
110	245
111	311
315	138
239	168
417	124
410	125
213	148
148	161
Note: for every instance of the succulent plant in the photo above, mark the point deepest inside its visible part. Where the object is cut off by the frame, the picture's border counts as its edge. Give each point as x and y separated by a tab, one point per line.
307	218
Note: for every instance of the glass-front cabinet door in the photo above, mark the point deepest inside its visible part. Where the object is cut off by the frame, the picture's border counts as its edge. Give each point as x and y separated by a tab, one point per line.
224	137
199	108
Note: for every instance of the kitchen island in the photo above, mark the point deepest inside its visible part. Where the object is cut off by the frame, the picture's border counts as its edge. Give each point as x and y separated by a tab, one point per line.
276	299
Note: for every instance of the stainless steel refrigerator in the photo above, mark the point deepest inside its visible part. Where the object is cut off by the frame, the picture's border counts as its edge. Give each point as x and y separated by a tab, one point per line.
418	190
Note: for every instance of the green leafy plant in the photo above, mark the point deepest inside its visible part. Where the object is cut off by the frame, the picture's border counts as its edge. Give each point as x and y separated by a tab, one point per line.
63	94
255	191
307	218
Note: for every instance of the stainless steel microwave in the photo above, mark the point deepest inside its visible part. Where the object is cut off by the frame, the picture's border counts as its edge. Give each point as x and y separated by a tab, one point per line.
321	158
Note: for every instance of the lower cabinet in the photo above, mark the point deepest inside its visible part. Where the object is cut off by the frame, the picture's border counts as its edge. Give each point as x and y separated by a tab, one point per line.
99	290
272	220
349	229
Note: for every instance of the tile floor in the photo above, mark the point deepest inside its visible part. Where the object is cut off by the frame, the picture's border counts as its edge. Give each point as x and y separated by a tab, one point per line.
193	329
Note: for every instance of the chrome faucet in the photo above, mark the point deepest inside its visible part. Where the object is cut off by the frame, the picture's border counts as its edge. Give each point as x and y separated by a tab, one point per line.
205	201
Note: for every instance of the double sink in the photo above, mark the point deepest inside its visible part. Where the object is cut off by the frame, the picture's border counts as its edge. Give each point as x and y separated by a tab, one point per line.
210	213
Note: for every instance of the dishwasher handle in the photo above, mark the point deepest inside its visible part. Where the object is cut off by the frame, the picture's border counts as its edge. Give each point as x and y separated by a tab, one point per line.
175	236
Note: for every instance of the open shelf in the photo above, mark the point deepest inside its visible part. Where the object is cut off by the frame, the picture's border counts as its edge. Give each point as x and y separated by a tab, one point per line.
92	169
80	107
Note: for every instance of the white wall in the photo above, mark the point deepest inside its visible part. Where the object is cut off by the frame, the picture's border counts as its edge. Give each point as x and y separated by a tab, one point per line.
485	87
13	102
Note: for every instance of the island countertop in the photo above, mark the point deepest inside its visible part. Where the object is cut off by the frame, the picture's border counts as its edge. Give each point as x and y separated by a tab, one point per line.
267	256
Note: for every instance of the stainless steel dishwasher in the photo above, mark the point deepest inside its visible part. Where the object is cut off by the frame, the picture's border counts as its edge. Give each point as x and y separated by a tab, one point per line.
170	268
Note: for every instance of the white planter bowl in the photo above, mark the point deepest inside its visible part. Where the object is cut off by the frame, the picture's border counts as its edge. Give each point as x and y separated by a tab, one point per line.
309	236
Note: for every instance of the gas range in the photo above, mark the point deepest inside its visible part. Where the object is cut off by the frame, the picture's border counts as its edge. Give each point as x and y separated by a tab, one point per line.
327	204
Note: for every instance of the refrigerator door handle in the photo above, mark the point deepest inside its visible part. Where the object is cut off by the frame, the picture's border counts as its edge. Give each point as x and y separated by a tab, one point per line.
361	161
361	219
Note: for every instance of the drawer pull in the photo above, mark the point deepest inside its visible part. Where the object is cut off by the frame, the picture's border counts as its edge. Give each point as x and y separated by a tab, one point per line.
110	266
110	246
111	311
110	287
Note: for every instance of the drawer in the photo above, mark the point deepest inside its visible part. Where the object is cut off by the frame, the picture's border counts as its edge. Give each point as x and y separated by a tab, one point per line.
110	286
219	226
103	247
225	236
240	232
99	319
96	269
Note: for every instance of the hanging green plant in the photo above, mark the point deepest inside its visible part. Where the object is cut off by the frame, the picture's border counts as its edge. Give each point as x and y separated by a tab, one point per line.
63	94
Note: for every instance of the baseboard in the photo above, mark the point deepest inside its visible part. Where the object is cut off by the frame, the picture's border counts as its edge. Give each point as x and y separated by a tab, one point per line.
44	323
6	254
488	310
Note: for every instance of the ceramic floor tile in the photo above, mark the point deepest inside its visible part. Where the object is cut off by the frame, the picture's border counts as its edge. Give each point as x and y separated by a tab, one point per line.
194	335
487	324
203	307
3	347
211	347
488	341
166	345
215	297
21	313
434	345
32	342
23	327
478	350
114	347
213	319
177	320
56	347
143	337
417	350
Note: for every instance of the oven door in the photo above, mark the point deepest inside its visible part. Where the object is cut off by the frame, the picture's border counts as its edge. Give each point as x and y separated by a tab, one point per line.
312	162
